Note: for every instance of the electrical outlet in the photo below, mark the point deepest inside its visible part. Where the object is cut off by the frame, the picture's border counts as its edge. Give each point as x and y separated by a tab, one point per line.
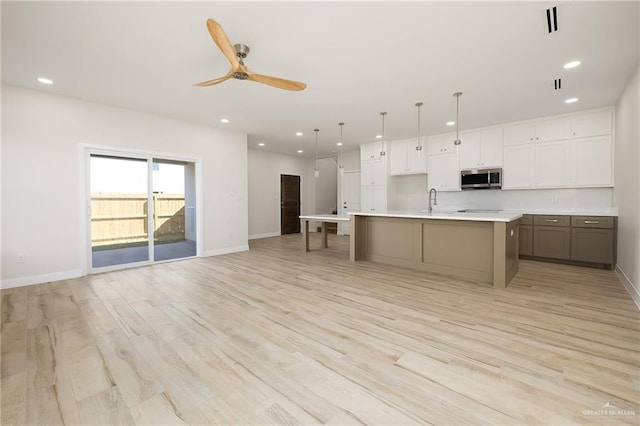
20	258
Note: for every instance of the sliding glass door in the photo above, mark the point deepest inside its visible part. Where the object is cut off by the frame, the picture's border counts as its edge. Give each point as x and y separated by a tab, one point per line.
142	210
119	210
173	210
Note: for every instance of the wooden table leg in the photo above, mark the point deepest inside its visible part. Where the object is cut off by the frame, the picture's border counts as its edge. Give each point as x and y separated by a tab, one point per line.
306	235
324	235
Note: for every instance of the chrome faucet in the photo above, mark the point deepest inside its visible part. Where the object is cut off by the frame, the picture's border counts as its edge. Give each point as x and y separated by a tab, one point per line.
435	199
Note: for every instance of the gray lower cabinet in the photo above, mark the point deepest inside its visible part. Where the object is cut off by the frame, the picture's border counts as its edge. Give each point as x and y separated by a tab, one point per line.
593	239
584	239
592	245
552	241
525	235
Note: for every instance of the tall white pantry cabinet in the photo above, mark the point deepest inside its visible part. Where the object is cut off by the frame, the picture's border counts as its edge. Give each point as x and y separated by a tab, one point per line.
373	176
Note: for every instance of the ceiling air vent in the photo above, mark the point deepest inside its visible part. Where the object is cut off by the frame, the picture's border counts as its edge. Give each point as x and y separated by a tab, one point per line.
557	84
552	19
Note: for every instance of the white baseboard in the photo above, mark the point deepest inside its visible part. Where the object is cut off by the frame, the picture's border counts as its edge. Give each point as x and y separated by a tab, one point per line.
227	250
626	282
41	279
267	235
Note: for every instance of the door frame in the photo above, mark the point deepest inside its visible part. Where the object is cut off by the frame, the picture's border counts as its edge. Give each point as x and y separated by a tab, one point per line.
85	152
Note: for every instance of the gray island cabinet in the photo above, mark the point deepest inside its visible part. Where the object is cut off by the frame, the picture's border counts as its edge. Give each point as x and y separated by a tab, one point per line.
471	246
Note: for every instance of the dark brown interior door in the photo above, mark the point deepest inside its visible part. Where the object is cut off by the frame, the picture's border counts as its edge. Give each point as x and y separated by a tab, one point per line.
289	204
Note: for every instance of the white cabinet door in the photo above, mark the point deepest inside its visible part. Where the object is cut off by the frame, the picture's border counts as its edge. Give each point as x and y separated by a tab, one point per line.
405	159
469	151
519	134
373	198
417	160
441	144
553	129
398	162
481	149
491	147
554	164
593	165
592	124
371	151
373	173
444	172
518	167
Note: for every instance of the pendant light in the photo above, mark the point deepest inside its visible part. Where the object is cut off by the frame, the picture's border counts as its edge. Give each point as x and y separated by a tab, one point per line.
457	142
341	167
382	114
316	171
418	145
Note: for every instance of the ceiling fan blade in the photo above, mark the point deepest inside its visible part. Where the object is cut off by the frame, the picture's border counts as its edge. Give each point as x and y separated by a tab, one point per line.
214	81
221	39
280	83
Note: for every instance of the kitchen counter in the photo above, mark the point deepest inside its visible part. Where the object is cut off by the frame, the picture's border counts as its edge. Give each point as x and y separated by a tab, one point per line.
609	211
447	215
480	247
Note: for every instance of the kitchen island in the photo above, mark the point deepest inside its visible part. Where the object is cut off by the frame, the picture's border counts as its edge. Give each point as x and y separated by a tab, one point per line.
480	247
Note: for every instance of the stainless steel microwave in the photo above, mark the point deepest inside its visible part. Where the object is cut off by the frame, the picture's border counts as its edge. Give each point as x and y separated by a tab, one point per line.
481	179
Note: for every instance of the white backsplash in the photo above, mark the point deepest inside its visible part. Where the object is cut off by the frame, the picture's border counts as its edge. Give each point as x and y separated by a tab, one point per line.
410	193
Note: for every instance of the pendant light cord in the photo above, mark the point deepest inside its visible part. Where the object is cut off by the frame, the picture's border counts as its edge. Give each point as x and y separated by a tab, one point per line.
418	146
457	141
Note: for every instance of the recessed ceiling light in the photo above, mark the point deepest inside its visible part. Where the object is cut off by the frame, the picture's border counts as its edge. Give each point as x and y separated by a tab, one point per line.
298	133
300	151
378	136
224	120
570	100
451	123
261	144
571	64
45	80
339	144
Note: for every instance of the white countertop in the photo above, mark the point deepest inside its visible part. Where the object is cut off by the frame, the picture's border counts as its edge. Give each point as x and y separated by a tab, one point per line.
611	211
608	211
326	217
479	217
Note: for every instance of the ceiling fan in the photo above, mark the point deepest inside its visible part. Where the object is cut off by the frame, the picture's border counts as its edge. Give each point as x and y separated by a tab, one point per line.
236	54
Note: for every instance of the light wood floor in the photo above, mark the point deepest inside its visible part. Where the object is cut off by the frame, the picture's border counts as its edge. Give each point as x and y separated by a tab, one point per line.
279	336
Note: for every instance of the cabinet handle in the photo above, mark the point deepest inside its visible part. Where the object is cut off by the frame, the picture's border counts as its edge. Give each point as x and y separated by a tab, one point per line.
592	222
551	220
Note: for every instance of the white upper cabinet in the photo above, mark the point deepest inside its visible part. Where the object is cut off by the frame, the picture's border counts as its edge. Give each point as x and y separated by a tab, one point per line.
444	172
553	164
593	161
405	159
371	151
592	124
481	149
441	144
553	129
568	151
518	171
519	134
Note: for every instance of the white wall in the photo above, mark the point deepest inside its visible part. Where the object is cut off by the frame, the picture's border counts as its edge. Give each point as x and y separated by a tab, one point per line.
627	189
264	170
43	210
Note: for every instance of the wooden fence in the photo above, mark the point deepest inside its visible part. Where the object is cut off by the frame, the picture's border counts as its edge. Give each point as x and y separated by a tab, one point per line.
122	218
